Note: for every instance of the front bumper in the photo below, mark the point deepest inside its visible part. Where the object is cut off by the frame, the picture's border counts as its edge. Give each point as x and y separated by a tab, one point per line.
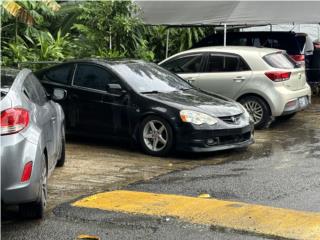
215	140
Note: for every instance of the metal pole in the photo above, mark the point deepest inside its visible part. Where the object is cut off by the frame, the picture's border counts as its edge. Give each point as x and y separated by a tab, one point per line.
225	35
270	27
167	43
110	40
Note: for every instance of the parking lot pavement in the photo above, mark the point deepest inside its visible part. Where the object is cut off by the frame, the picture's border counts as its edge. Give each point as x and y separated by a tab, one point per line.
280	170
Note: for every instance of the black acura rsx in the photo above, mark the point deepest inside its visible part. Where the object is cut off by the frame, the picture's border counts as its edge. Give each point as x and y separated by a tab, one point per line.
142	101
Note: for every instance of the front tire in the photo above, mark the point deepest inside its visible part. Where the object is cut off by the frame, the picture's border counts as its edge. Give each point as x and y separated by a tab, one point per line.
35	210
156	136
259	111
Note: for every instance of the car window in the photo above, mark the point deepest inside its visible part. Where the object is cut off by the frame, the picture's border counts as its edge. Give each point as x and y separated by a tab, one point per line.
60	74
92	76
34	90
280	60
241	41
224	63
185	64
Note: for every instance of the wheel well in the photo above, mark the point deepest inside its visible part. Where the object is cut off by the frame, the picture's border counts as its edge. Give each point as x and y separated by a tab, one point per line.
255	95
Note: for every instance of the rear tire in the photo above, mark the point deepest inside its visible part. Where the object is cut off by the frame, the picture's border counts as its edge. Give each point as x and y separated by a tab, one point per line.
35	210
62	159
156	136
259	110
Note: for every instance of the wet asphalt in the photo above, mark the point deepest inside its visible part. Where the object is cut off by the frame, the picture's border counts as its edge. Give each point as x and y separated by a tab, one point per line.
282	169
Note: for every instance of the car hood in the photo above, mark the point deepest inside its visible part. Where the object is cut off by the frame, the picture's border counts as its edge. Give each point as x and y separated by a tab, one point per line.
193	99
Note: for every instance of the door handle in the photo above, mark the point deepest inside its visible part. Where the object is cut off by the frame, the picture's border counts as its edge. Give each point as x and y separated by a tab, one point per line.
239	79
53	119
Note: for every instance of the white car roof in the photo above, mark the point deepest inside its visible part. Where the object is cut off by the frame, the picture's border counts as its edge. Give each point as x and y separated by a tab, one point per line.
235	49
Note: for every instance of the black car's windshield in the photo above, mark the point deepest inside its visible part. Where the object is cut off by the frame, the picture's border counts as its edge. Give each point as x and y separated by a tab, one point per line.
149	78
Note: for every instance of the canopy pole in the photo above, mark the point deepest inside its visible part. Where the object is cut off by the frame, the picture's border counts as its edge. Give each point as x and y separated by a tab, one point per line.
110	39
167	43
225	35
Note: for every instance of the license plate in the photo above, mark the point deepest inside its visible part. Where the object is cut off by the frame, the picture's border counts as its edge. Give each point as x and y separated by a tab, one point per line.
303	102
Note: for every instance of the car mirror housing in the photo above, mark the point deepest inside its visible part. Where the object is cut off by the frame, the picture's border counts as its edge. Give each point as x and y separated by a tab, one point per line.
115	88
59	94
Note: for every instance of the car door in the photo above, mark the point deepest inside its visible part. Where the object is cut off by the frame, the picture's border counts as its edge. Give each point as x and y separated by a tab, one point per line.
116	106
224	74
60	77
86	98
186	66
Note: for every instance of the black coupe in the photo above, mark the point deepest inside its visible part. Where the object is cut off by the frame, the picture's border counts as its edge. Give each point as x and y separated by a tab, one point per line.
140	100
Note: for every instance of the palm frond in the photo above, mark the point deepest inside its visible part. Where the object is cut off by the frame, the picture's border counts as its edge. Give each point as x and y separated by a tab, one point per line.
18	12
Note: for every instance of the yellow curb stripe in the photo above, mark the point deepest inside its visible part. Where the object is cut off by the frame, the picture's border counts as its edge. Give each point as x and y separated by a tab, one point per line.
238	216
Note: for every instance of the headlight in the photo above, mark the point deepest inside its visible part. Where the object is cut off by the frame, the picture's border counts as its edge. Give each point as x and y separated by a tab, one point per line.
197	118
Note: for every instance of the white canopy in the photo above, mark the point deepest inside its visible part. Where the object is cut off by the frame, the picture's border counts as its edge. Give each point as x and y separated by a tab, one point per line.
183	13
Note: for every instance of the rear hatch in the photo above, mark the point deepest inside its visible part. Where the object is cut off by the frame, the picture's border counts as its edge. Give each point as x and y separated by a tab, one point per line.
285	70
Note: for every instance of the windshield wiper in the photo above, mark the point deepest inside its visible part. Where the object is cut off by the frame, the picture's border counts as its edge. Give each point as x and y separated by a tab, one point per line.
151	92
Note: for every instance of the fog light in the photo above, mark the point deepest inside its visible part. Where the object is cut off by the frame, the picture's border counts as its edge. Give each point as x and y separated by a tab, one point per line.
212	141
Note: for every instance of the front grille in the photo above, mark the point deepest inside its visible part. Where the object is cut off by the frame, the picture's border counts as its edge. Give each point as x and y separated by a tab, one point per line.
231	119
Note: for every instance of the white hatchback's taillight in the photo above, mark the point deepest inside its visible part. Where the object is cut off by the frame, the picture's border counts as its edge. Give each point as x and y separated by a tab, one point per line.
14	120
278	76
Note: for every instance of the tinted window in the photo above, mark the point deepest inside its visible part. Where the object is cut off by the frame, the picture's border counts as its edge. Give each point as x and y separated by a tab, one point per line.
60	74
146	77
224	63
241	41
280	60
185	64
91	76
34	90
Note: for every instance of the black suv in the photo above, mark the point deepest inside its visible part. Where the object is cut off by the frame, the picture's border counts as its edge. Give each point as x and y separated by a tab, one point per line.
298	45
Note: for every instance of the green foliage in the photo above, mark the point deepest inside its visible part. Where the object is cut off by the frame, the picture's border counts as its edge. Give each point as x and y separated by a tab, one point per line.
105	29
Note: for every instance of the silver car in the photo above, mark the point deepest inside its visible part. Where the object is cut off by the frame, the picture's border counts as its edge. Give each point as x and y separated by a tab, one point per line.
266	81
32	141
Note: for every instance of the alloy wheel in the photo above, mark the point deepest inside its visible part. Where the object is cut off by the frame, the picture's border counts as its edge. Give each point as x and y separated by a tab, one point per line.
255	110
44	186
155	135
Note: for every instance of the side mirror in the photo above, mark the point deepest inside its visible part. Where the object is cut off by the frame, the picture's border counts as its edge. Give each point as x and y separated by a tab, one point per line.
59	94
115	88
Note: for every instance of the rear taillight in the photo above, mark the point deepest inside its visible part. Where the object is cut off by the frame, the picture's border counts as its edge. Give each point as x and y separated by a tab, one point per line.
298	58
26	174
13	120
278	76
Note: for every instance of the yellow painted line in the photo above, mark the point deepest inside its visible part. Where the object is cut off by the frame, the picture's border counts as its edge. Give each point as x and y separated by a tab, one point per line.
257	219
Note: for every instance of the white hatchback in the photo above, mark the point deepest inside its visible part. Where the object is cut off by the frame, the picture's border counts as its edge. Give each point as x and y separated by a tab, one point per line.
266	81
